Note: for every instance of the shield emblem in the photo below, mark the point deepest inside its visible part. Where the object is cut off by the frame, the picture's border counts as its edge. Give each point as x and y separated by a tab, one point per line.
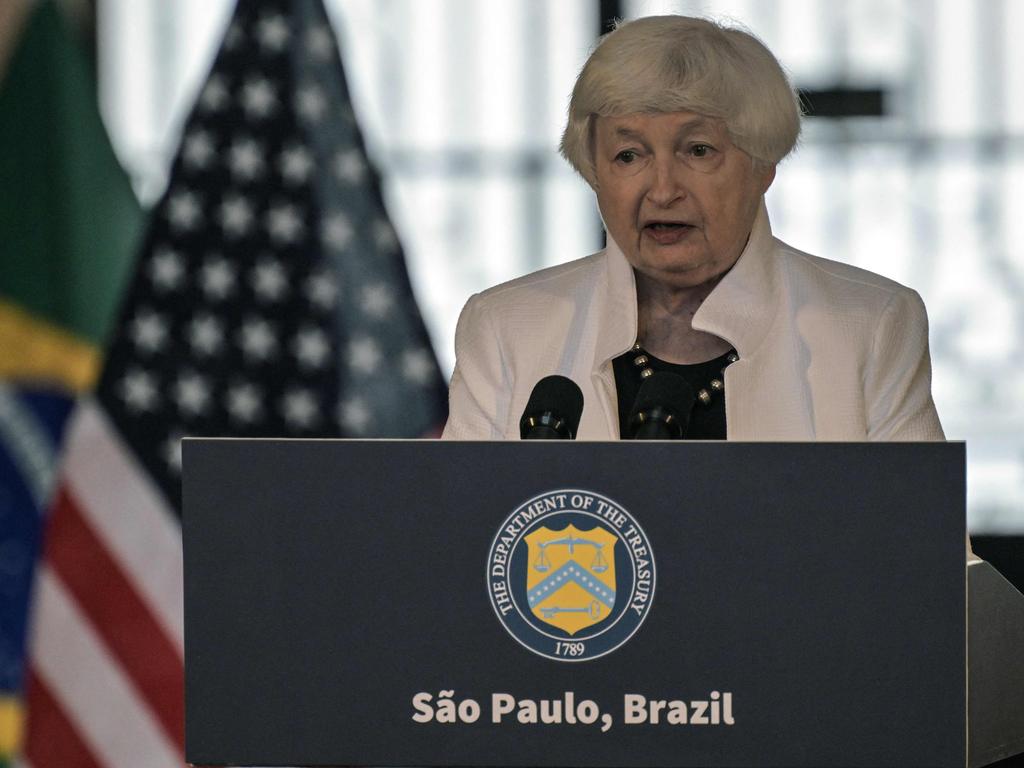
570	581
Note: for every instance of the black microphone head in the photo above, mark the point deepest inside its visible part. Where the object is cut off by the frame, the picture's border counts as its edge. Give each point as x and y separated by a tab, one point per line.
553	411
662	407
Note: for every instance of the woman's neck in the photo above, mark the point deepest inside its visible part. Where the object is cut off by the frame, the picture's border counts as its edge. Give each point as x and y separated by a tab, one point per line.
665	320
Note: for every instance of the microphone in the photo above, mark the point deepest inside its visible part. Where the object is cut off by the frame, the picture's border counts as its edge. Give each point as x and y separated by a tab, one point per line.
662	408
554	410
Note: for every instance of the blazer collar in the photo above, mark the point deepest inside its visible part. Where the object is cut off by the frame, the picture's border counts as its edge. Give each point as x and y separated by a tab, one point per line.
616	307
739	309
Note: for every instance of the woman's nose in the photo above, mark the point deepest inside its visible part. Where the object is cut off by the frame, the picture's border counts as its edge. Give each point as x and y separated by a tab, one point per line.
666	185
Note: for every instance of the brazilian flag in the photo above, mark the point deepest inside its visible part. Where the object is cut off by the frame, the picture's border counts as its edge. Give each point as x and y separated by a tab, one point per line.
68	225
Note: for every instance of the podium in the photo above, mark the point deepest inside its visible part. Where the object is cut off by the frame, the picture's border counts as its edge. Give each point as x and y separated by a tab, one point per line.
591	604
995	645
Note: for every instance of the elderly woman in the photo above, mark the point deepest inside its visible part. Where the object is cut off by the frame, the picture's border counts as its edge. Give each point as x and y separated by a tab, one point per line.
678	125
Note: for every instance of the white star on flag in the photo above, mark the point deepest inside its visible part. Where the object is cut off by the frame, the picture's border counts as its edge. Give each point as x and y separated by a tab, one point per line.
257	339
310	103
217	278
337	231
295	164
273	33
258	98
418	366
206	334
245	159
350	166
172	451
192	393
215	95
311	347
236	216
183	211
322	290
148	331
166	270
320	42
234	37
268	280
377	300
299	408
284	224
244	402
139	391
198	149
354	415
364	355
384	236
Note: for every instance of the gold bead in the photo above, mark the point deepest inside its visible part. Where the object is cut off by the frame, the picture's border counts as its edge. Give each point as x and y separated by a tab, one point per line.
733	357
716	385
646	372
636	347
640	360
704	396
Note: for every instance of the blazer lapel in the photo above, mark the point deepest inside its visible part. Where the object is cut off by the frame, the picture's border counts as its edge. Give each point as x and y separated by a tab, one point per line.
616	333
761	400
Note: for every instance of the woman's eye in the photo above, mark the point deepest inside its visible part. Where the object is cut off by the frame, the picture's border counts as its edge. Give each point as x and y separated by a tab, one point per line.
626	156
700	150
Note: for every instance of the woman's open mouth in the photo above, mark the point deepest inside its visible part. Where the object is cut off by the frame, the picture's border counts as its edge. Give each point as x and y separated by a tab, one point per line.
667	232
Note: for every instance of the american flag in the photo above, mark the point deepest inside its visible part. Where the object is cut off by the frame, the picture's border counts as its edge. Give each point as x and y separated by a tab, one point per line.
270	299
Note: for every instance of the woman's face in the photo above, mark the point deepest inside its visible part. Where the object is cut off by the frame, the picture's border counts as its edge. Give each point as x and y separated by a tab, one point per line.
676	194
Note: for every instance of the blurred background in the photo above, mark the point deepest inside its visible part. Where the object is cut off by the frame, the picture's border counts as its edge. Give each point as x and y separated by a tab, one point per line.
911	165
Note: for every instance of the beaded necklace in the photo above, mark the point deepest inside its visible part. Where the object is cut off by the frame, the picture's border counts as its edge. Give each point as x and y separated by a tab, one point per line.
705	394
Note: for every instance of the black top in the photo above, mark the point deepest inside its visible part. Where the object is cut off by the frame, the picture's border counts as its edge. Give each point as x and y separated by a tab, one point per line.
707	422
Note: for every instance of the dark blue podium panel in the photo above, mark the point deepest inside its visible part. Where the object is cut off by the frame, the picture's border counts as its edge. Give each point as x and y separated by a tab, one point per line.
559	604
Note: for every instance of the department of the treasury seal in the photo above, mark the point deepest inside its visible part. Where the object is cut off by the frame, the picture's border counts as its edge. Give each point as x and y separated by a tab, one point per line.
571	575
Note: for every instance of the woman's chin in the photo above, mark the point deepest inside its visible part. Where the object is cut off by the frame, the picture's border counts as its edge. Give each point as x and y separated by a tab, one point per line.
680	276
681	261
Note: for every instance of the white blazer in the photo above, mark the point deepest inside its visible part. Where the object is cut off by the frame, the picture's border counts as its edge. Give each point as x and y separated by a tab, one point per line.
827	351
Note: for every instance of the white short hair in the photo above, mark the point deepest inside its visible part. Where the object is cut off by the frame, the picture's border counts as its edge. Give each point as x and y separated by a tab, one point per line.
661	64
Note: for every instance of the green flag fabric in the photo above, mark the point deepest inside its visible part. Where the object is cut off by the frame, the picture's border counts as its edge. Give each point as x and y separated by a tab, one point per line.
68	226
68	216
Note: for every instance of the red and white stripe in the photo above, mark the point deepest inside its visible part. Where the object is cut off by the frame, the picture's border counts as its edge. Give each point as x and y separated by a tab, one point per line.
105	684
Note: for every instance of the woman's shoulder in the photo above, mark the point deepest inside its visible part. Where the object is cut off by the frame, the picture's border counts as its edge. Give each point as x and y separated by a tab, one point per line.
814	274
544	296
